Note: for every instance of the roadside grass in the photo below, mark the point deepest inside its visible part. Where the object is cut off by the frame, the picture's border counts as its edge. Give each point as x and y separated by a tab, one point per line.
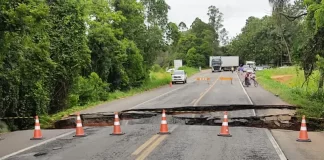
157	79
3	127
190	71
310	101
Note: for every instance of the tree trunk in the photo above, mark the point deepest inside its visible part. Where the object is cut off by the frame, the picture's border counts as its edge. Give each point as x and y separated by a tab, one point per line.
321	80
287	47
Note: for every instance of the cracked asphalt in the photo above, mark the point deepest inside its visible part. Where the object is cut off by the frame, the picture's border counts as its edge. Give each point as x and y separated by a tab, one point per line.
186	142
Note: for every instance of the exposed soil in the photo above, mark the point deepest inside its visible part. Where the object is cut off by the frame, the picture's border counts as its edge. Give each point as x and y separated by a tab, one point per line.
282	78
273	117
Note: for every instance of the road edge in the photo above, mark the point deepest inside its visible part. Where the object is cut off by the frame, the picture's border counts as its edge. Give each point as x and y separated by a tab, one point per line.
244	89
275	145
36	145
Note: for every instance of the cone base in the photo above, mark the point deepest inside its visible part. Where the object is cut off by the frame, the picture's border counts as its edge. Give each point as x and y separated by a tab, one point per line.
117	134
37	138
164	133
84	135
303	140
224	135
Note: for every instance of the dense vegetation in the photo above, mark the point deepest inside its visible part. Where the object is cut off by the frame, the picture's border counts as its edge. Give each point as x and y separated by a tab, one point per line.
292	35
65	55
58	54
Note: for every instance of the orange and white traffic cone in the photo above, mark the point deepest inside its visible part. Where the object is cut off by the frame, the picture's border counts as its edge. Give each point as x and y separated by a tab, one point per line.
164	124
303	136
117	130
79	132
224	129
37	130
170	84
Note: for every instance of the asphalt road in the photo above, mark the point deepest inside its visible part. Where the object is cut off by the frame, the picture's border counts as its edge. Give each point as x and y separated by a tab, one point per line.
184	142
142	142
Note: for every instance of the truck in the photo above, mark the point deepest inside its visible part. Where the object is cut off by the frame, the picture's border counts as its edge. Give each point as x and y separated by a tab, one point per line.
223	63
215	62
251	64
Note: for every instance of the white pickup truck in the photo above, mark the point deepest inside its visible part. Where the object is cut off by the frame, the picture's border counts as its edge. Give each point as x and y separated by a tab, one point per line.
179	76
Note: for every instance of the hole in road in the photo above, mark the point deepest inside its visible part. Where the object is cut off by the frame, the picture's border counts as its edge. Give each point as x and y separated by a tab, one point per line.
272	117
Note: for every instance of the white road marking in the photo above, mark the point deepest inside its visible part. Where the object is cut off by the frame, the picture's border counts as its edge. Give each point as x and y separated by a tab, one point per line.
193	101
244	90
36	145
275	145
246	93
253	112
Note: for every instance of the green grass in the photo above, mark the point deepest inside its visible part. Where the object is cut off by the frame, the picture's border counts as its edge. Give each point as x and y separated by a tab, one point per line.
190	71
156	80
291	90
3	127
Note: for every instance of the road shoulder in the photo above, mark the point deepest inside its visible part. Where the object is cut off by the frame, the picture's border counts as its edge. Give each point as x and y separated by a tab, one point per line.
300	150
15	142
260	96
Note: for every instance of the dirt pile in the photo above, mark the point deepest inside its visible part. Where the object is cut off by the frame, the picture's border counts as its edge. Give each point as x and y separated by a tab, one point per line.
282	78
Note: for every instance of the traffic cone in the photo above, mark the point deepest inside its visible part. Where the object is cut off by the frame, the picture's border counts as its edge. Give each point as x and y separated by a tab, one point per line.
224	129
170	84
303	136
79	132
117	130
37	130
164	124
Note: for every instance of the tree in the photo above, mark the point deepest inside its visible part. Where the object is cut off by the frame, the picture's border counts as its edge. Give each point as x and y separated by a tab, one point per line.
25	62
182	26
68	49
172	33
156	12
223	35
215	18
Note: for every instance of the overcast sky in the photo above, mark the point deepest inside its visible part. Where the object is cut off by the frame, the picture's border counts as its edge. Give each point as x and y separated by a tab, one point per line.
235	11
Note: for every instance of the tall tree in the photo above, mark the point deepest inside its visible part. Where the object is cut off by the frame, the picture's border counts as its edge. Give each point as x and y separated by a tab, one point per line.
172	33
182	26
278	7
156	12
69	49
25	62
223	35
215	18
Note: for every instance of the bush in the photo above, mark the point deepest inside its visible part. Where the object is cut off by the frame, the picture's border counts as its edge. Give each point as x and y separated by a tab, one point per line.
87	90
3	127
156	68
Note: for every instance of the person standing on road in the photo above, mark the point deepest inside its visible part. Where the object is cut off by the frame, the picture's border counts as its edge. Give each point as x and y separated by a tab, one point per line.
232	69
247	78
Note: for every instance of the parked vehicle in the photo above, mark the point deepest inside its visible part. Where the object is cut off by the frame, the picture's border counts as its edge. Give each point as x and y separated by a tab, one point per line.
170	70
251	64
179	76
259	68
215	62
223	63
